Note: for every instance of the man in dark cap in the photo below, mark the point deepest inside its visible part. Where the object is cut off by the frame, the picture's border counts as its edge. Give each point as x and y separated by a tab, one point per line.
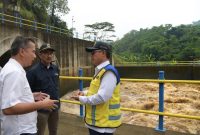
102	113
44	77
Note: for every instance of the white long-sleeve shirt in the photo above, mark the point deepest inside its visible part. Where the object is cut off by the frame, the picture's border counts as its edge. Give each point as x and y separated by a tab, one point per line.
107	86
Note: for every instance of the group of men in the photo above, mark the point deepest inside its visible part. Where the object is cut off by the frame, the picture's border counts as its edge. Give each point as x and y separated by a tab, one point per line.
30	100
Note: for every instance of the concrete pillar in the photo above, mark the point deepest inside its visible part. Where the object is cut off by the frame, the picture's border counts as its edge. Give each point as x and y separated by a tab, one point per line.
70	57
75	58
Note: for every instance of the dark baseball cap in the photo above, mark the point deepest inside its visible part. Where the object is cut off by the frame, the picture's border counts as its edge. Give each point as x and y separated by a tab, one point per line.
45	47
99	45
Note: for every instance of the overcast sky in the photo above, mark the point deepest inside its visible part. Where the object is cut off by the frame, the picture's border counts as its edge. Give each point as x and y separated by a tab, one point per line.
127	15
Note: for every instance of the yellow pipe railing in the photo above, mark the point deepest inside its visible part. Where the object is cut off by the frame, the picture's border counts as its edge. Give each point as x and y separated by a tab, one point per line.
75	78
145	111
157	62
59	29
137	80
140	80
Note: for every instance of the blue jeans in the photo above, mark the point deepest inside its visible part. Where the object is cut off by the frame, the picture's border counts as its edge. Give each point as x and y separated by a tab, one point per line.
92	132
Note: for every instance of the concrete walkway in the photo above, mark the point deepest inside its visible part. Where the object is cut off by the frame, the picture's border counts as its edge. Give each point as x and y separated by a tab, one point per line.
74	125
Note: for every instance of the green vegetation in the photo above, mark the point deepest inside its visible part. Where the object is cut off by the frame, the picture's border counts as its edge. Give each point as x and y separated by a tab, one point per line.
43	11
162	43
1	5
100	30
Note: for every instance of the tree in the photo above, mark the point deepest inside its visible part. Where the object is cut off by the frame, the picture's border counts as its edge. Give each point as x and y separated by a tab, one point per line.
160	43
100	31
196	23
43	11
56	8
39	8
34	9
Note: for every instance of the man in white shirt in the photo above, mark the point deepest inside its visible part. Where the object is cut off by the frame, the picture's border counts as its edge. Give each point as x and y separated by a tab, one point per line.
18	104
102	115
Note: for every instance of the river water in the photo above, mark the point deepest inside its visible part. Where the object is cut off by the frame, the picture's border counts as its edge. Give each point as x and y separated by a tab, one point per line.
179	99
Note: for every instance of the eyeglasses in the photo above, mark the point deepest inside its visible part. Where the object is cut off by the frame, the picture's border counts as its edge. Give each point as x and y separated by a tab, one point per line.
93	52
47	53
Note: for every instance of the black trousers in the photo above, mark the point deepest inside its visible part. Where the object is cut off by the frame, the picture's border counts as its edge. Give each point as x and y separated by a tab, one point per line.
92	132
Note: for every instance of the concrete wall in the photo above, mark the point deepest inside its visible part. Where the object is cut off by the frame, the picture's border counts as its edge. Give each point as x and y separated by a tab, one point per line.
70	52
74	125
190	72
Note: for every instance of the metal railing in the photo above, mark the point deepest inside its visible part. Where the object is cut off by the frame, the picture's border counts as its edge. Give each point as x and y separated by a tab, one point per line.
19	21
160	112
33	24
136	80
158	63
144	111
151	63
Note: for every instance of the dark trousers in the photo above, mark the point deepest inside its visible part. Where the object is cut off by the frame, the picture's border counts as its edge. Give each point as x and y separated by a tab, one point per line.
50	119
92	132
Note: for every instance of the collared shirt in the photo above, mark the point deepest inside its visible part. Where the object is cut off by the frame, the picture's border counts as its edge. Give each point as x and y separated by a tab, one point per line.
44	79
106	89
14	89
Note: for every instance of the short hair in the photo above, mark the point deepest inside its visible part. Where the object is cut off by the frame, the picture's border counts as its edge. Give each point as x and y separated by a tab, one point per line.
20	42
108	54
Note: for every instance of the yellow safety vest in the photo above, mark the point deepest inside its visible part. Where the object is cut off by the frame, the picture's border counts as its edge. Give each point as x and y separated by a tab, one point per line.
107	114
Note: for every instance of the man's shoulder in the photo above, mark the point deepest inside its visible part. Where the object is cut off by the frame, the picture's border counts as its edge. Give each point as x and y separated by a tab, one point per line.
111	68
10	68
35	67
54	66
12	73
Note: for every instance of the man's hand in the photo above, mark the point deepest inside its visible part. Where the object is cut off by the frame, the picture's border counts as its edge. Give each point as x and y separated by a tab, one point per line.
77	94
49	104
39	96
23	108
75	97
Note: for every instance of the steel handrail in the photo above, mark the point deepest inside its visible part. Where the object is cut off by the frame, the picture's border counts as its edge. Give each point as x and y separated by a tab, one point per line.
144	111
137	80
65	30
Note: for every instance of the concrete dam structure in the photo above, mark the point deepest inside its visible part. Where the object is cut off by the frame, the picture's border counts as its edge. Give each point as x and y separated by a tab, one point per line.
70	52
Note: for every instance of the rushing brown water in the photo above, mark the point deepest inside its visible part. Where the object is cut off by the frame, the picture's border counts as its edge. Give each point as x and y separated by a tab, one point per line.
179	99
